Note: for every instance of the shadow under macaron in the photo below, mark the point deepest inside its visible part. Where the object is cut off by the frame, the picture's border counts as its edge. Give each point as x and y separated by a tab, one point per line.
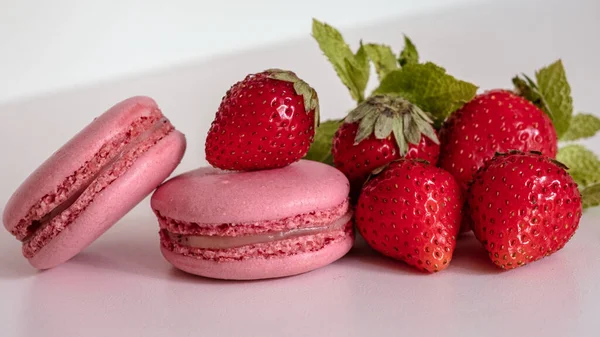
13	265
140	254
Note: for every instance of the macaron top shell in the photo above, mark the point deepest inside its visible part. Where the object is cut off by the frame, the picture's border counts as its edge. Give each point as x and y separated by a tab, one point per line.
212	196
74	155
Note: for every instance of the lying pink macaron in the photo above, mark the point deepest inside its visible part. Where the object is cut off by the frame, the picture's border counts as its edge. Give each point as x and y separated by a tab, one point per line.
255	225
92	181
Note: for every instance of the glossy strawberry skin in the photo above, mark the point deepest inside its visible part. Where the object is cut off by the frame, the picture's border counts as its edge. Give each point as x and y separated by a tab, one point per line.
523	207
496	121
358	161
260	124
411	212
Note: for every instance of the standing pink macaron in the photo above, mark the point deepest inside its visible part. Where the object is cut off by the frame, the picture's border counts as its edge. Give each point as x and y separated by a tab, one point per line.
92	181
255	225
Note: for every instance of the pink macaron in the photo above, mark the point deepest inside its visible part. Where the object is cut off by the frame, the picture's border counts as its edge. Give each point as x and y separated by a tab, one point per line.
254	225
92	181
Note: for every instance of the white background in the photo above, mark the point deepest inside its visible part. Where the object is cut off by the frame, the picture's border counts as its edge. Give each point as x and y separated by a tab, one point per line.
50	45
64	63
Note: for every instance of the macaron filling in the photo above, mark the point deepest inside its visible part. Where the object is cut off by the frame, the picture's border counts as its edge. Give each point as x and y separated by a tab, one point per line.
265	250
317	218
55	211
296	234
225	242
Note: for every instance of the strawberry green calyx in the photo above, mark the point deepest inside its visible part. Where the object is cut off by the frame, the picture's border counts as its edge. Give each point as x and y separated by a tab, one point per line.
382	115
311	99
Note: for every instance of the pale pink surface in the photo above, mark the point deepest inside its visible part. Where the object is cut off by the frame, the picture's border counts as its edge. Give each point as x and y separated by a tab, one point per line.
261	268
114	201
73	155
211	196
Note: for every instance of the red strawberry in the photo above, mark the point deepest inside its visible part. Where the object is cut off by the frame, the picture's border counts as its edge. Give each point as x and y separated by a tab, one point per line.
266	121
382	129
411	212
496	121
523	207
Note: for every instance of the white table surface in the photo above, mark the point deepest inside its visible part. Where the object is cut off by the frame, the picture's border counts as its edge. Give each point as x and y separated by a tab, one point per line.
121	286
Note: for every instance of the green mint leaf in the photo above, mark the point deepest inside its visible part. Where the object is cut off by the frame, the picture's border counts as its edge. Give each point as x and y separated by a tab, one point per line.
591	196
357	70
333	46
429	87
582	126
350	68
583	164
409	54
320	150
382	57
556	94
